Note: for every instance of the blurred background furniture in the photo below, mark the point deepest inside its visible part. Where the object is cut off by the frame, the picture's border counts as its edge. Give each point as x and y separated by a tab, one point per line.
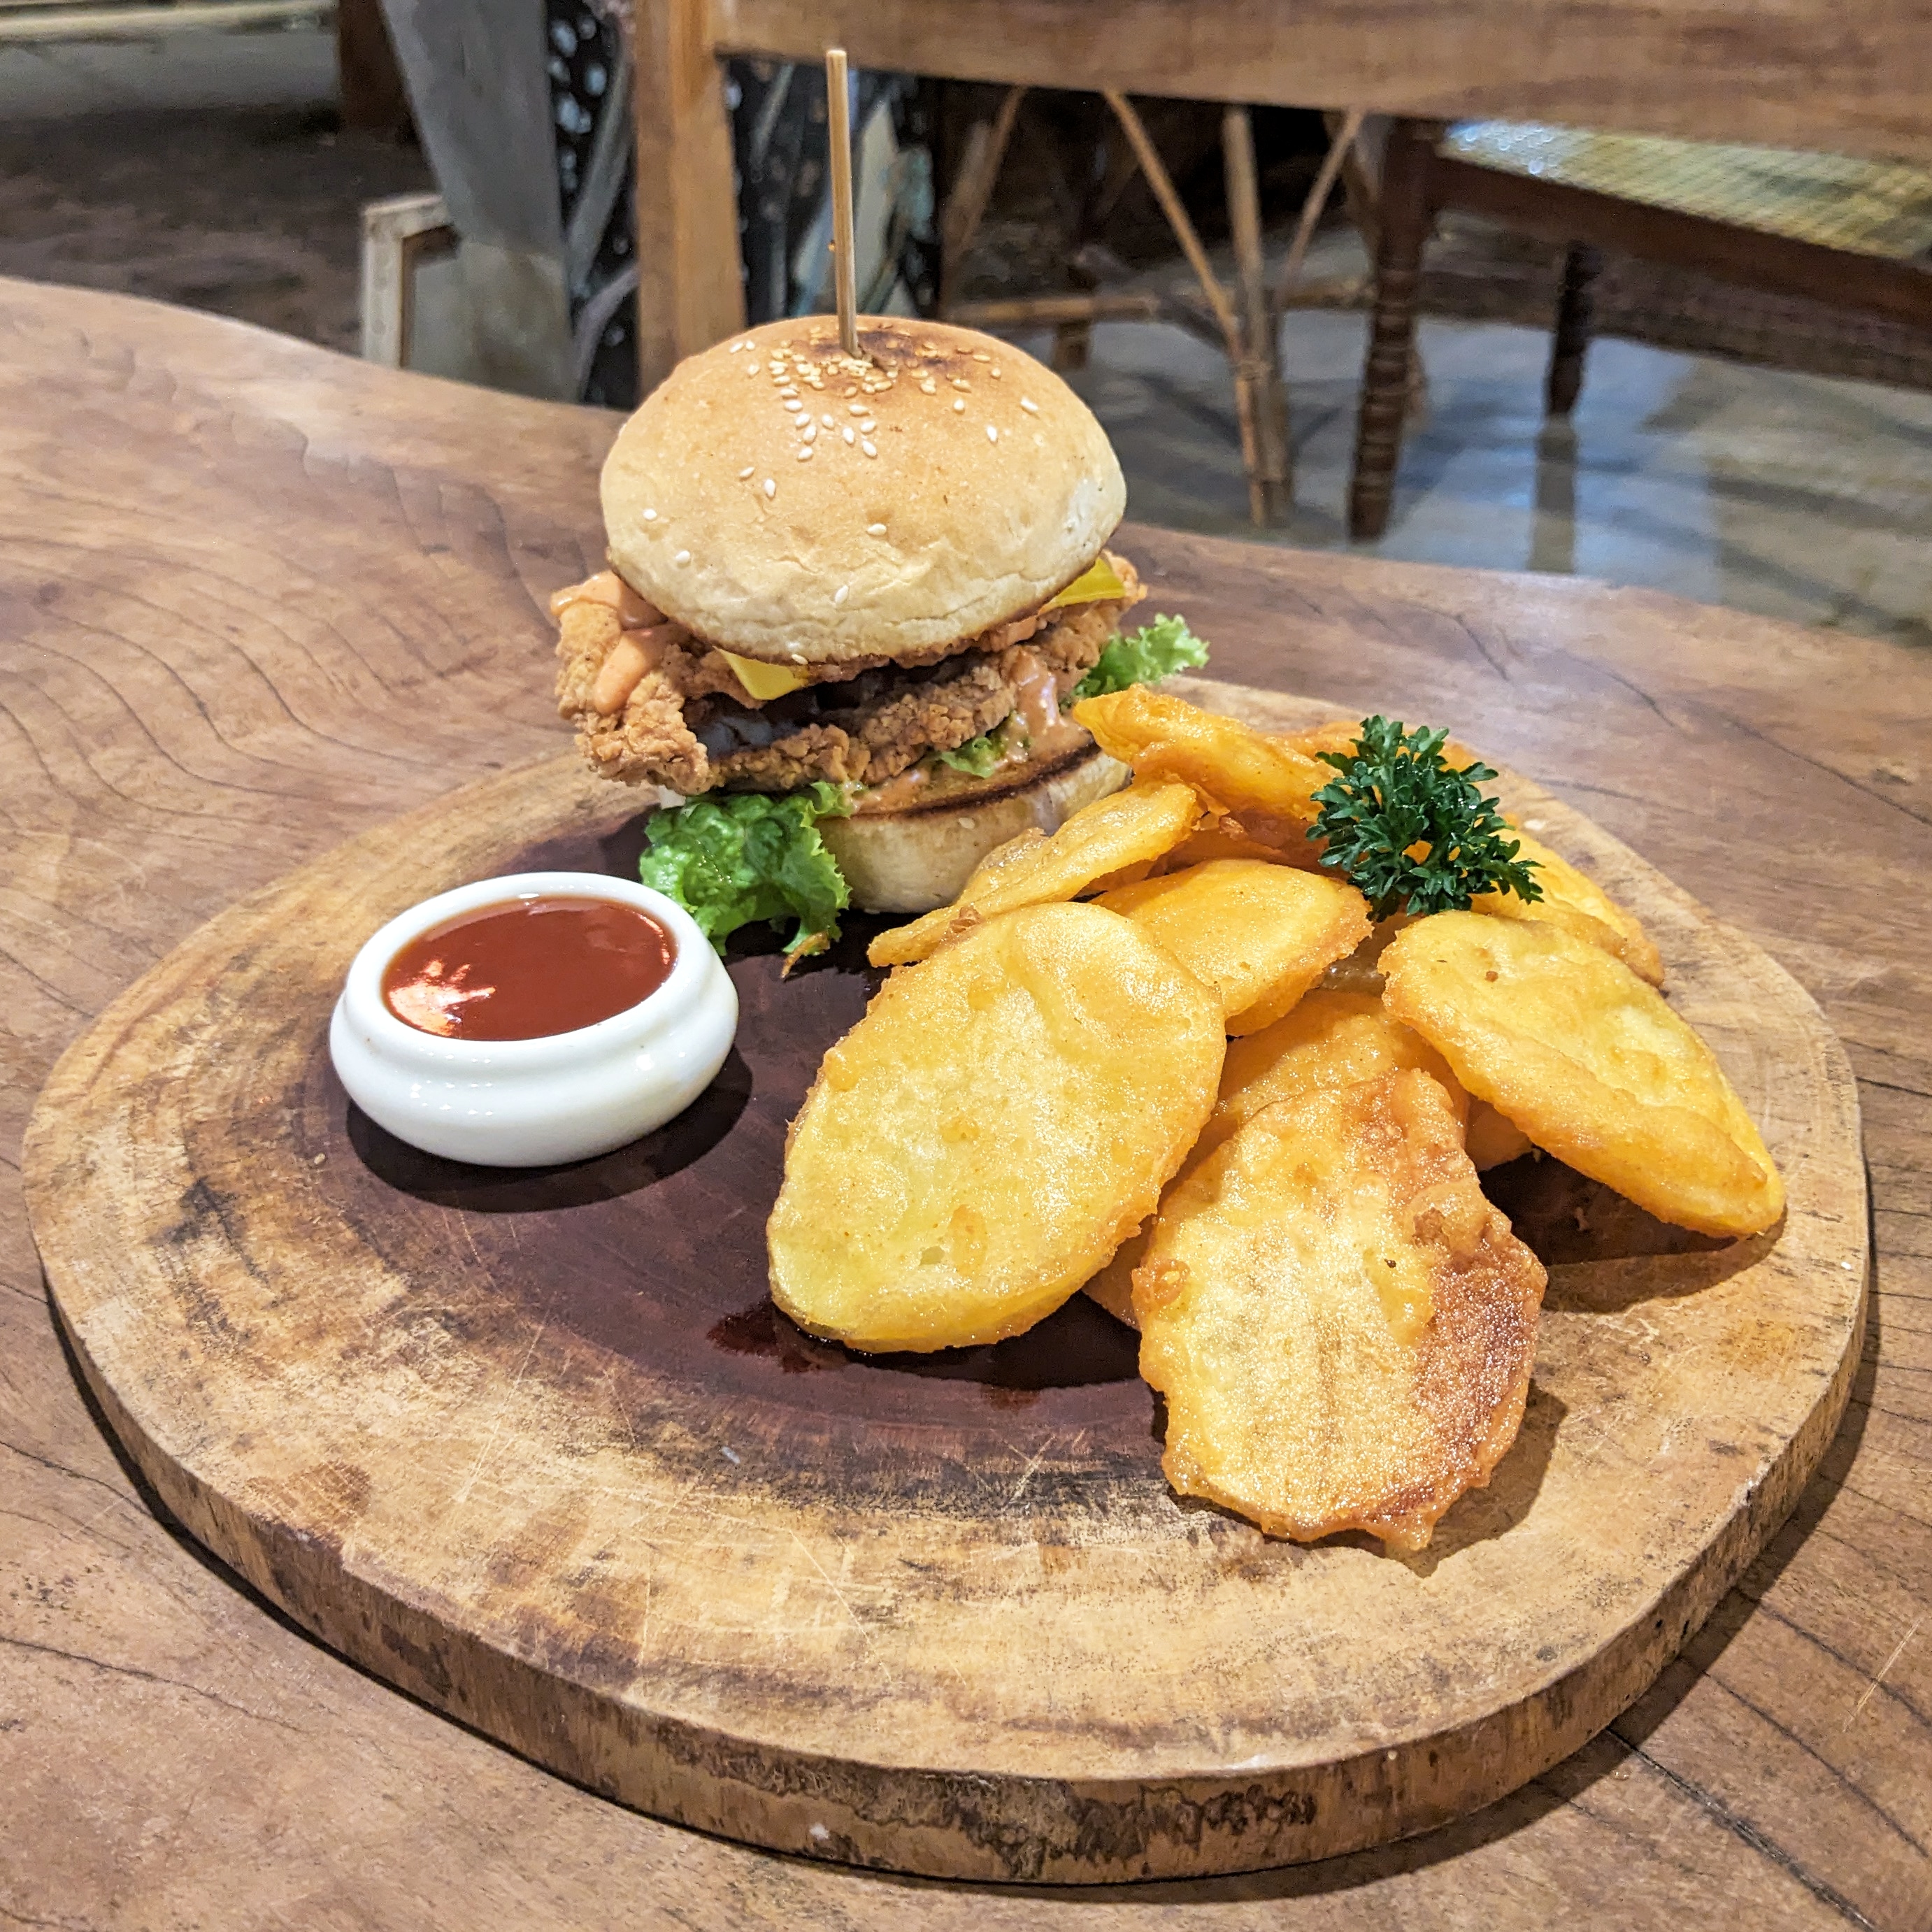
591	199
1856	234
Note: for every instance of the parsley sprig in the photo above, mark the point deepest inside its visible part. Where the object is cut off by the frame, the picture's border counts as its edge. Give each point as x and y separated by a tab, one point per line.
1394	792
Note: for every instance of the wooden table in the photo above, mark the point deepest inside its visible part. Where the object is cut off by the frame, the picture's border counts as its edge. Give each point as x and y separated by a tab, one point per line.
254	597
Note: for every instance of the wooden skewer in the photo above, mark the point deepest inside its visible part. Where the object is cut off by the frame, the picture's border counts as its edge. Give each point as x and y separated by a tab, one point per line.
844	267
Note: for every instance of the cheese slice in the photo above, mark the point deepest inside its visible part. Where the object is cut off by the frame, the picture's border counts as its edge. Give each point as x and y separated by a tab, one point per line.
765	682
1098	582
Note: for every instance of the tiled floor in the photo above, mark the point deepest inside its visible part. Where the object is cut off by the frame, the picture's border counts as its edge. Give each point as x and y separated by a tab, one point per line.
1795	496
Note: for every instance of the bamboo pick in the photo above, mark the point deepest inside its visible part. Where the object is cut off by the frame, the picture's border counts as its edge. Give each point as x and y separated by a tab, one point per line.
845	266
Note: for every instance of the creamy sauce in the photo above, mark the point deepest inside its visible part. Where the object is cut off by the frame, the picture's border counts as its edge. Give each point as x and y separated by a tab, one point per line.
635	613
894	792
623	669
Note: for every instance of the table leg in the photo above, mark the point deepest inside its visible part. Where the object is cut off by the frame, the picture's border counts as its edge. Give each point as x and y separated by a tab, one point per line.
1403	220
1571	339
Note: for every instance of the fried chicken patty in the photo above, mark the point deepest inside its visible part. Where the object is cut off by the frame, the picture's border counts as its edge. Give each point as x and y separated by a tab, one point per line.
654	705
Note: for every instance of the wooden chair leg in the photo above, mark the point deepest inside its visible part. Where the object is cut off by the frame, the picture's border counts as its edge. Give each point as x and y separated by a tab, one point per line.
1259	367
1571	339
1402	220
986	147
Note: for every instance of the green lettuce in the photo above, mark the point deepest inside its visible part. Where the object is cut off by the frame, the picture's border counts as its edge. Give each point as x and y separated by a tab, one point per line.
1147	657
977	756
730	861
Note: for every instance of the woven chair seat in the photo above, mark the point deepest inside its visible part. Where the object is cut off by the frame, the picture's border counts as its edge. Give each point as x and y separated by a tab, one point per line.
1864	208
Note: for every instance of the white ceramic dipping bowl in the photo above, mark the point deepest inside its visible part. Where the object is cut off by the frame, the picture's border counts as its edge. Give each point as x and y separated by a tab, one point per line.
564	1097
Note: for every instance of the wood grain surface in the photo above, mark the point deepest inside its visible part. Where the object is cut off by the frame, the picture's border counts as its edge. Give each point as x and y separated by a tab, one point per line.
255	598
1852	77
537	1447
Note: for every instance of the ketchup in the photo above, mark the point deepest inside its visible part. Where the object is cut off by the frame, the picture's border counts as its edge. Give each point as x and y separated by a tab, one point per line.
527	968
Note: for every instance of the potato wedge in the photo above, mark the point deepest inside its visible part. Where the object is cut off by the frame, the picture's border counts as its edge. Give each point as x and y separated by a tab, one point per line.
1565	1040
1233	766
1492	1140
985	1136
1342	1325
1259	935
1344	734
1100	841
1575	901
1329	1040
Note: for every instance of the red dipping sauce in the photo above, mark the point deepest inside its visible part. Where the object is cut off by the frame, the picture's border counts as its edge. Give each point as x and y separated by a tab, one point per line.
528	968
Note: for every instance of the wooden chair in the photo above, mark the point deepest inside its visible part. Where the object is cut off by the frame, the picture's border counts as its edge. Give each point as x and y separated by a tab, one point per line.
1241	321
1827	227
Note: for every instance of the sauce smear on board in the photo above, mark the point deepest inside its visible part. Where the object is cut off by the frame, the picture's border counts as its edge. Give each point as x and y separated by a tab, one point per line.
528	968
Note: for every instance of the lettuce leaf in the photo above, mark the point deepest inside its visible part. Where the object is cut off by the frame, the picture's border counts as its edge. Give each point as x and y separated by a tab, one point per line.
732	860
977	755
1145	658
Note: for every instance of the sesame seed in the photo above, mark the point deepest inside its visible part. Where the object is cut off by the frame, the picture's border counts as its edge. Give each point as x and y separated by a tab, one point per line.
847	434
851	388
745	472
752	368
844	591
868	428
980	355
737	346
959	404
870	448
1031	407
650	516
992	434
811	432
875	529
771	486
858	409
805	452
793	404
827	420
683	556
994	370
931	388
960	382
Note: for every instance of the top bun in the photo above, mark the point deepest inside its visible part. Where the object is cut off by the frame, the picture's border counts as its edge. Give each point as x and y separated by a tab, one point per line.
905	503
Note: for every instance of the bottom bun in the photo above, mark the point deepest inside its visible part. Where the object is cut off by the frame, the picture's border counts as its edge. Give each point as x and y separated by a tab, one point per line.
918	856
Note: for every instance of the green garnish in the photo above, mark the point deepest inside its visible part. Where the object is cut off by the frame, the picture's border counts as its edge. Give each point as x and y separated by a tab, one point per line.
729	861
1147	657
1395	791
977	755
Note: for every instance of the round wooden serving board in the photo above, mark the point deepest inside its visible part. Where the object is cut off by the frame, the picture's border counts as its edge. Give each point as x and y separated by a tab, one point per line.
535	1448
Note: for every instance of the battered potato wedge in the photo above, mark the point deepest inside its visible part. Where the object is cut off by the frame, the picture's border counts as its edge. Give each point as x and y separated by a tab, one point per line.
1099	842
1329	1040
1259	935
1287	844
1233	766
1575	901
983	1139
1566	1041
1344	734
1342	1325
1492	1140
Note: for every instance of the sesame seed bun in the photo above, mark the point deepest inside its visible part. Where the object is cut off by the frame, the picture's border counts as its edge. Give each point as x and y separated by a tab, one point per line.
918	856
958	484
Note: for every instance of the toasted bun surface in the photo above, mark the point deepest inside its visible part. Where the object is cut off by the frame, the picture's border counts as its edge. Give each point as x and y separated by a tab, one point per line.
796	547
918	857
